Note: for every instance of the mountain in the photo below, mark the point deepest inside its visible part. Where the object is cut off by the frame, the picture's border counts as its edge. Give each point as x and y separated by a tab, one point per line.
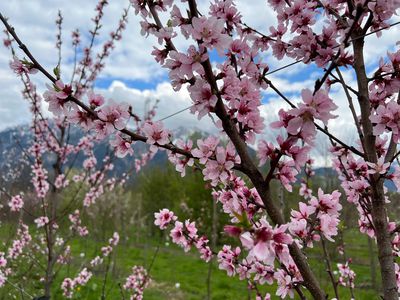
15	141
14	166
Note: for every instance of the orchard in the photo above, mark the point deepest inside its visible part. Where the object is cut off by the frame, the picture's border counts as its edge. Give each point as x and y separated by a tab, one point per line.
248	166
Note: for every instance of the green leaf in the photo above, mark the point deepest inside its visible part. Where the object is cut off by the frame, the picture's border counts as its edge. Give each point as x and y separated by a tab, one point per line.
56	71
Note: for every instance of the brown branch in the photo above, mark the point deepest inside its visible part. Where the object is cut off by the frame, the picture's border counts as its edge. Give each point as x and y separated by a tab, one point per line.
323	130
329	267
378	211
352	109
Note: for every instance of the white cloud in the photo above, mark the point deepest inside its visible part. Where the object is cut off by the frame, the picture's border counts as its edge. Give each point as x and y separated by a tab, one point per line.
131	60
170	102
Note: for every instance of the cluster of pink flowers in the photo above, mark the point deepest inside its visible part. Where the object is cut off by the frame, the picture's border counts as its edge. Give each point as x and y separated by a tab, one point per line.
354	180
137	282
113	116
164	218
300	121
240	93
69	285
156	134
265	243
94	193
14	252
4	271
112	243
179	160
57	97
122	146
22	67
240	202
41	221
320	216
39	179
383	92
76	224
346	275
228	259
244	98
61	182
183	234
18	244
51	139
250	268
218	169
295	157
16	203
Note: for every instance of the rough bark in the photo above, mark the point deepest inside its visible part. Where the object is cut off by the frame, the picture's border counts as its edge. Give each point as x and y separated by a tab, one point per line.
378	209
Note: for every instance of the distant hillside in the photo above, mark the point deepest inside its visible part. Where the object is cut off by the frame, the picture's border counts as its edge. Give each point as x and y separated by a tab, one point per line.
15	140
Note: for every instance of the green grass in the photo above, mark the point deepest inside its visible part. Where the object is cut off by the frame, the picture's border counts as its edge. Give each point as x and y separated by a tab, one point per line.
172	266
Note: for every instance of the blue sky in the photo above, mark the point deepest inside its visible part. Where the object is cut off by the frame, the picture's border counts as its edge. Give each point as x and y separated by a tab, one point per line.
131	73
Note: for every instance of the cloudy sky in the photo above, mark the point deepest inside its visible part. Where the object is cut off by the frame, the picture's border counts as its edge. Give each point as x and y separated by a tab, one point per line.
132	75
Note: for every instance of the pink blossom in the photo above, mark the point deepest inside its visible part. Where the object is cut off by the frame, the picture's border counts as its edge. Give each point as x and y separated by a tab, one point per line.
164	218
137	282
179	160
57	96
287	174
115	116
305	191
264	239
263	273
114	240
225	10
68	286
20	67
166	33
191	229
41	221
328	226
61	181
155	133
219	170
177	235
204	250
304	213
265	151
300	121
227	259
210	32
299	228
380	167
205	149
121	146
285	284
203	98
327	203
95	100
347	275
16	203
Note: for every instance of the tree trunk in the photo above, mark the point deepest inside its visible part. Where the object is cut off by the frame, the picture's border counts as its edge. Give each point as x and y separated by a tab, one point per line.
378	211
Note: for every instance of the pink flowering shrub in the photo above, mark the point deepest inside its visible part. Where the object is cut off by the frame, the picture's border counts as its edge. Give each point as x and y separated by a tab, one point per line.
137	282
66	180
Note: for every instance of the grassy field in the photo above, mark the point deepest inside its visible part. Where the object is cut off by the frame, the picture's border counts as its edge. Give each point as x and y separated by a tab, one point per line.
179	275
